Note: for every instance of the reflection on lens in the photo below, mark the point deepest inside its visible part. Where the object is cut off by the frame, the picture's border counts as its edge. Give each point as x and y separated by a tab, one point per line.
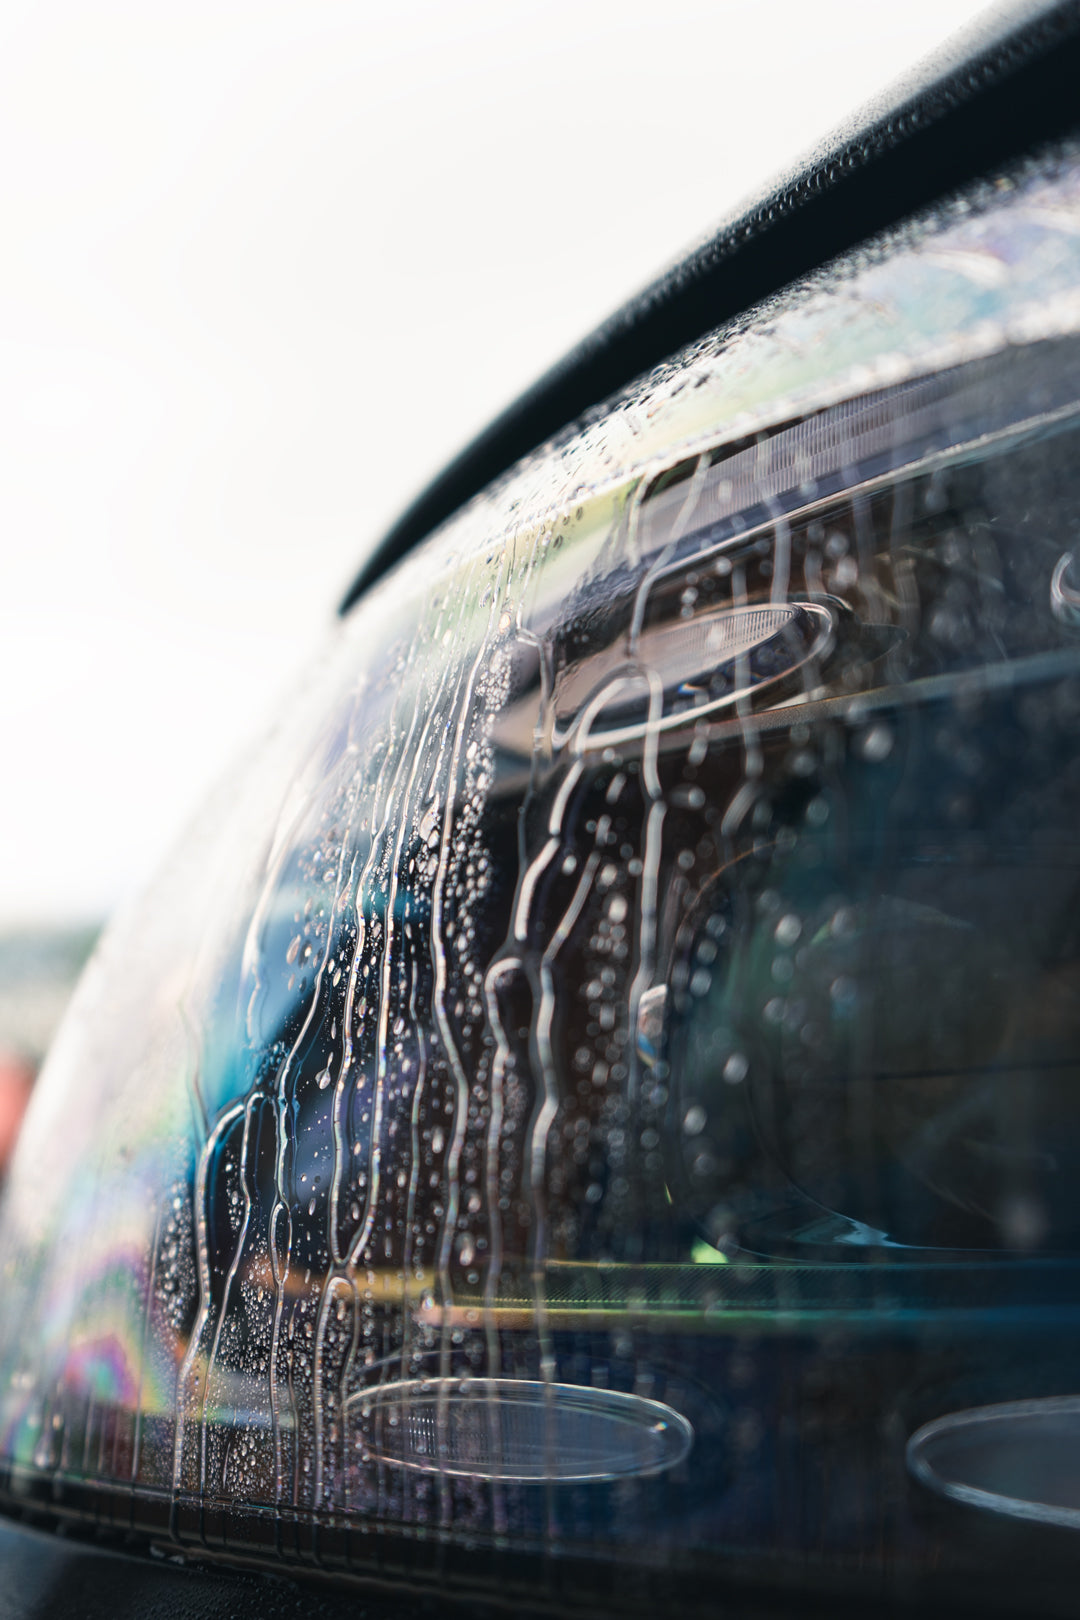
632	999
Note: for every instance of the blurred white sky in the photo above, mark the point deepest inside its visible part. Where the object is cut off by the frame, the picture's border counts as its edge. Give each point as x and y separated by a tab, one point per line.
267	264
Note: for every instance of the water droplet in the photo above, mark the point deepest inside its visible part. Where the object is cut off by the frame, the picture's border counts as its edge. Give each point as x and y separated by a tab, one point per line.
735	1069
876	744
694	1120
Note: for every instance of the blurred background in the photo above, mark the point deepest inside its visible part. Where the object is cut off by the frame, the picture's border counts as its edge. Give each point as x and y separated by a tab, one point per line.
267	264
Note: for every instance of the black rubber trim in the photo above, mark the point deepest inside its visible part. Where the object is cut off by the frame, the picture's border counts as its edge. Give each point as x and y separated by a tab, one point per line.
994	93
92	1575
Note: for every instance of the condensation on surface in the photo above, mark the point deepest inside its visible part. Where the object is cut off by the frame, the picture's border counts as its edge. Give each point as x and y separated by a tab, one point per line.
518	1020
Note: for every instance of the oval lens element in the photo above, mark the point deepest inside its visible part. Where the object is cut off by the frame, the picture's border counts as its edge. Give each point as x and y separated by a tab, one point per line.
1017	1460
605	1073
678	673
515	1429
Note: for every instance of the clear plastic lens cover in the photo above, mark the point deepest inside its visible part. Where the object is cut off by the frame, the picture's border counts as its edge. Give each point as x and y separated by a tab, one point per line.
603	1077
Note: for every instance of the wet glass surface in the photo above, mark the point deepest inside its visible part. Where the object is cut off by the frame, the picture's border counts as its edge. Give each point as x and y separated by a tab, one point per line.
604	1074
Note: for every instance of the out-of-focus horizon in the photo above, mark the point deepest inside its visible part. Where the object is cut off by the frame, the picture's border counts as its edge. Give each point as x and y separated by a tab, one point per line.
267	266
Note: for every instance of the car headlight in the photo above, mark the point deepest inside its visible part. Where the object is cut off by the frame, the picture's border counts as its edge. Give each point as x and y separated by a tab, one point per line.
603	1077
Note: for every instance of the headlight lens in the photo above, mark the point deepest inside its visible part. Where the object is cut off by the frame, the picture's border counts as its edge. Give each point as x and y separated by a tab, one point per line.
604	1075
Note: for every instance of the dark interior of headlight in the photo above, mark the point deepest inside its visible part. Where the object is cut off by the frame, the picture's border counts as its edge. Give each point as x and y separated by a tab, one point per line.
887	952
